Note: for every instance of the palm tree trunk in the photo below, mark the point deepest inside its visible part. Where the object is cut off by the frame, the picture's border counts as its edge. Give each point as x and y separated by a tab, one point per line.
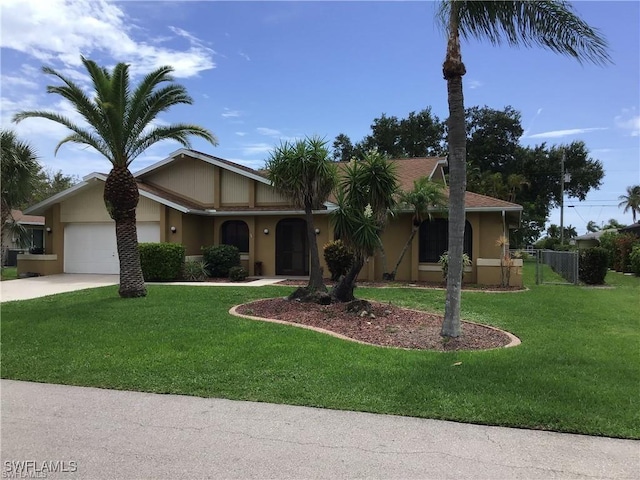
414	230
316	282
343	290
453	70
121	199
131	278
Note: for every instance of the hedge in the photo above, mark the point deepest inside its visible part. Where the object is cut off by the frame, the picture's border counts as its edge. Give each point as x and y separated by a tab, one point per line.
161	262
593	265
220	258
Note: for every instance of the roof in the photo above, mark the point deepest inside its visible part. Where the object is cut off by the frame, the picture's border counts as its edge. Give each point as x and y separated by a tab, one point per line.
594	235
23	219
407	169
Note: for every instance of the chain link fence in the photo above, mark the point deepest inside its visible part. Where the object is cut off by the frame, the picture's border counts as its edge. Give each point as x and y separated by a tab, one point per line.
564	267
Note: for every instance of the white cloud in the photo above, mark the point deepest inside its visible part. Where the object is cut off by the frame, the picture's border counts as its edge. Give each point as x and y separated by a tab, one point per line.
231	113
245	56
629	120
20	82
256	149
241	134
473	84
270	132
565	133
62	30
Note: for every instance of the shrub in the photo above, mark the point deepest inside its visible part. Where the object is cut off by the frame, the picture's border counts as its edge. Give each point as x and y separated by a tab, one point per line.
444	263
338	258
237	274
161	262
635	260
624	243
220	258
607	241
593	265
194	270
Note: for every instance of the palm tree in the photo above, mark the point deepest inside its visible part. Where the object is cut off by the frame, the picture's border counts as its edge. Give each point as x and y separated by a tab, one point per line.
365	196
303	172
631	201
20	168
550	24
424	196
120	126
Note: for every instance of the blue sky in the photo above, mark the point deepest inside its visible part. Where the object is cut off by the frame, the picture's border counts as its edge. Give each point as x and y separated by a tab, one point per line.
262	72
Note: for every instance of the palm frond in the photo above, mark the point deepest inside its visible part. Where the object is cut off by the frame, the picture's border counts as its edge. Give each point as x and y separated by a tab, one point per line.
179	132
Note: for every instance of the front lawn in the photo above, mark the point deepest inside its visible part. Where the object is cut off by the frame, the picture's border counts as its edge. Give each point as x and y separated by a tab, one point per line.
8	273
577	370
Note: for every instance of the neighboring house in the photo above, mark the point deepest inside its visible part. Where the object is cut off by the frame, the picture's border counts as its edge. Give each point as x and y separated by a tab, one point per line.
633	228
591	239
35	228
197	199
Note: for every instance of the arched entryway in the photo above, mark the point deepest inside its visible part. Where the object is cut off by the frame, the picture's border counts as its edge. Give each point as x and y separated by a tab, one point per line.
292	252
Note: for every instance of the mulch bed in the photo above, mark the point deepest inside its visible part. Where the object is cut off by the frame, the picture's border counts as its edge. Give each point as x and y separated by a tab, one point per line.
386	325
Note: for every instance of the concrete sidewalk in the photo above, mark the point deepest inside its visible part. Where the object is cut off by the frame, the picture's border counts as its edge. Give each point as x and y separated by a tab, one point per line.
35	287
116	434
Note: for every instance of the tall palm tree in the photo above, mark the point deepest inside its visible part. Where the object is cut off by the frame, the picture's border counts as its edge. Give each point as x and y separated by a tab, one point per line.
424	196
20	169
120	126
365	196
304	173
550	24
631	201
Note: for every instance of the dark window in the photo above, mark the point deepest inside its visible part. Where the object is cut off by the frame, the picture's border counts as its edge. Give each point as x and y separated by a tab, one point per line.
236	232
434	239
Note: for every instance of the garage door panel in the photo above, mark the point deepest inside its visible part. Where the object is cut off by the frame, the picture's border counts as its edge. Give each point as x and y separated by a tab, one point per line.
91	247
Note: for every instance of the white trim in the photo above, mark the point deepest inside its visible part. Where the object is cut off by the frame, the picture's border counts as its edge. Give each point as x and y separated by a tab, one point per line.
205	158
495	262
34	256
163	201
89	179
258	213
244	256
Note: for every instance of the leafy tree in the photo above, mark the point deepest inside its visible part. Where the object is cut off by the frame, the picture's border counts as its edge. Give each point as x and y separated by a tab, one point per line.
303	172
48	183
550	24
343	149
120	126
612	223
19	169
365	196
424	196
631	201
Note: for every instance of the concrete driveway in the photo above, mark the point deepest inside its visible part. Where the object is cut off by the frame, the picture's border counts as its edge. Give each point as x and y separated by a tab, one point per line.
117	434
34	287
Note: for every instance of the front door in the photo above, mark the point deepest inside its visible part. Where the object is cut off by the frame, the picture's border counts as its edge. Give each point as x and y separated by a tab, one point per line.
292	253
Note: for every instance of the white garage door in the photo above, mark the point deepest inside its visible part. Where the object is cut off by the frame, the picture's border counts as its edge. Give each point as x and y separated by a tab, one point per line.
91	247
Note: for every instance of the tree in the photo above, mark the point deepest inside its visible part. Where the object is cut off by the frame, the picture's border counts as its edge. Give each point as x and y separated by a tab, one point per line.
120	125
343	149
592	227
424	196
631	201
48	183
365	195
303	172
612	223
550	24
19	169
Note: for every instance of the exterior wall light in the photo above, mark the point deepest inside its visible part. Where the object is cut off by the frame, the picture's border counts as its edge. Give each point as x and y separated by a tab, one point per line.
173	229
266	231
48	229
317	231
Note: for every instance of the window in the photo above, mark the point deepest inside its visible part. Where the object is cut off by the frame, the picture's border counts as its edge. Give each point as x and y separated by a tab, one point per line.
236	233
434	239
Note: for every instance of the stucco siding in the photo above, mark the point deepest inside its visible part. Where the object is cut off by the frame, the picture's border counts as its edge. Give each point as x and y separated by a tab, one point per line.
267	195
188	177
88	206
489	231
234	189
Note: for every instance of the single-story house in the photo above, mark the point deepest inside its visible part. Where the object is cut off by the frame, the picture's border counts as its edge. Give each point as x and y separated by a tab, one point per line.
34	225
591	239
197	199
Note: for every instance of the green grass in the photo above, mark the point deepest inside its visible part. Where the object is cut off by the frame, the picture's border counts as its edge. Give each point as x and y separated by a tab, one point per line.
8	273
578	369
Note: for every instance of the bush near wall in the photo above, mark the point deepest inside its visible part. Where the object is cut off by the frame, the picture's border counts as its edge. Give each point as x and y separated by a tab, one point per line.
624	243
161	262
635	259
607	241
593	265
220	258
